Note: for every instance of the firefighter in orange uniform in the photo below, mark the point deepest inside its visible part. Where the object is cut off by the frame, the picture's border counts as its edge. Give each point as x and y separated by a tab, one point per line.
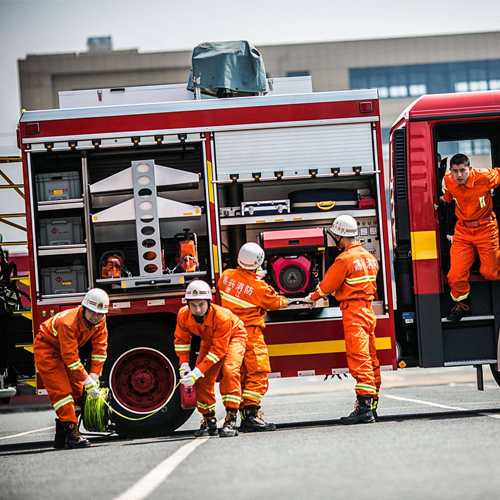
352	278
476	231
223	339
58	362
249	297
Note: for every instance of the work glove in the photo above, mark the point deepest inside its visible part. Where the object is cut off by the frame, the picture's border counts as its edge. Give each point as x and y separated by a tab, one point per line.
94	377
184	369
308	301
91	387
191	377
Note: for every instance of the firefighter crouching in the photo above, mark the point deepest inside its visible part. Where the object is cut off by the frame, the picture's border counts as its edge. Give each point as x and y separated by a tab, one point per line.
249	297
223	339
352	278
476	230
58	362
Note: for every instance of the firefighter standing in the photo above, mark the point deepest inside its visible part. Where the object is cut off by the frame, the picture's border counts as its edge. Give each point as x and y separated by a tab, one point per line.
223	339
58	362
249	297
476	231
352	278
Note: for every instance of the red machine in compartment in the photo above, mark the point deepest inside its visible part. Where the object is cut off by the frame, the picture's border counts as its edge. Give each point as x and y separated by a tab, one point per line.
295	258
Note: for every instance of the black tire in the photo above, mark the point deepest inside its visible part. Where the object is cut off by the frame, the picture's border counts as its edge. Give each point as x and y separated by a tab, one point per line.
496	375
142	365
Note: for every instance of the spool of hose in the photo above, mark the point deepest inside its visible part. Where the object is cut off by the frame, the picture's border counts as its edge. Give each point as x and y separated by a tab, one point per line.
96	414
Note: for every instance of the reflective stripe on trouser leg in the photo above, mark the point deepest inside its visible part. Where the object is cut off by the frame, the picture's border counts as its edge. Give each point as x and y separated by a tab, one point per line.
205	389
55	378
359	331
255	368
230	387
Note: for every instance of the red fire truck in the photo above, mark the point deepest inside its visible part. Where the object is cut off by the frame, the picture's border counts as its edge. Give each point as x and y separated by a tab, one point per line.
118	195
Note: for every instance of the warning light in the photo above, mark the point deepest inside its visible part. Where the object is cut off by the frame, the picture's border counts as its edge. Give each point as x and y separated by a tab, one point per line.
402	364
365	107
33	128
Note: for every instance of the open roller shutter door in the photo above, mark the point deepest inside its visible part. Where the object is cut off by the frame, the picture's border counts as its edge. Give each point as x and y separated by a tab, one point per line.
294	151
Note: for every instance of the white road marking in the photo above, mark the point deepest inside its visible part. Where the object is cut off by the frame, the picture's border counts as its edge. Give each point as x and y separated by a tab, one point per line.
429	403
29	432
145	486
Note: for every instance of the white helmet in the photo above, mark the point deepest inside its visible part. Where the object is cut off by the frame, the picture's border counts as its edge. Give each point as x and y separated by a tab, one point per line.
198	289
250	256
345	225
96	300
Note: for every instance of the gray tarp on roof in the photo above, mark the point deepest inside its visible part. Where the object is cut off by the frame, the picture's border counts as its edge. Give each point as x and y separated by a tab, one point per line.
233	66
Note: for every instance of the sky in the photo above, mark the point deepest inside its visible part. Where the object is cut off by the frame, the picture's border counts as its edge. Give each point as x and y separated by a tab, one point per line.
53	26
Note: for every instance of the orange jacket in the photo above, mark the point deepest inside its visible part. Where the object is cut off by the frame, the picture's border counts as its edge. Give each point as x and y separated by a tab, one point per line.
472	200
219	326
248	296
352	276
67	331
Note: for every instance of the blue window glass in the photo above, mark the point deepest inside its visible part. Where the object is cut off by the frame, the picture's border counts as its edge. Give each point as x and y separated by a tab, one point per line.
297	73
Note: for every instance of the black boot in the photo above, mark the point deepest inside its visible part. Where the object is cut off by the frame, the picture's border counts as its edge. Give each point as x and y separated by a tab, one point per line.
208	425
60	437
374	408
229	427
459	310
73	437
253	420
362	413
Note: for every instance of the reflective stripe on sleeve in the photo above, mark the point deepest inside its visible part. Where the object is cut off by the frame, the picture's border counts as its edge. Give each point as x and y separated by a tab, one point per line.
62	402
98	357
318	289
212	357
75	366
362	279
182	347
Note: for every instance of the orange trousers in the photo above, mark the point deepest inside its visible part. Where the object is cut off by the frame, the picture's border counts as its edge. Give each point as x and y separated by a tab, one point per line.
255	368
467	243
65	392
230	386
359	332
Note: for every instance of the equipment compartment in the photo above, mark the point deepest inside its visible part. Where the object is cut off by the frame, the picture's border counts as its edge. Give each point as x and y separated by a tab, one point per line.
58	186
64	231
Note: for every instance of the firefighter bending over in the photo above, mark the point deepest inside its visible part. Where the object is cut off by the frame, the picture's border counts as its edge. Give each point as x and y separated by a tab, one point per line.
223	339
476	230
248	296
58	362
352	278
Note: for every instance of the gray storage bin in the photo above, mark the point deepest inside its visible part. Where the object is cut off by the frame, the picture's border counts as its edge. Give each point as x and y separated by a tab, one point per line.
67	231
61	280
58	186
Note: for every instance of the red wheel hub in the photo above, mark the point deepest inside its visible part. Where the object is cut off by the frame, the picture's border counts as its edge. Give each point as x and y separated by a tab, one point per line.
142	379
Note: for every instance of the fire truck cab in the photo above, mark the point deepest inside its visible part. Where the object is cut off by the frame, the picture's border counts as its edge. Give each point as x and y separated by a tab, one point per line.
427	133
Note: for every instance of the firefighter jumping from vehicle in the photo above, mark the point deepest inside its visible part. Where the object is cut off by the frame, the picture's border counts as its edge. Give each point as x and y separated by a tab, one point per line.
247	295
476	231
58	362
223	339
352	278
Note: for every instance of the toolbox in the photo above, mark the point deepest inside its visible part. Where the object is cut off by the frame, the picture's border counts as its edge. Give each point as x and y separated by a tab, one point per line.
61	280
319	200
268	207
58	186
67	231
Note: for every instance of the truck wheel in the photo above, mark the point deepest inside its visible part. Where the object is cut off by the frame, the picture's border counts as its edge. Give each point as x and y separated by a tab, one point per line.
142	371
496	375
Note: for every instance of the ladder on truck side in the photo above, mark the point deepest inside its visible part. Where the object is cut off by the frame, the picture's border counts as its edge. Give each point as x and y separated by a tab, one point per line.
17	279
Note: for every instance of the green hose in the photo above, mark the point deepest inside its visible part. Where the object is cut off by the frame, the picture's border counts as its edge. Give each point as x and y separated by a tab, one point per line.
97	411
